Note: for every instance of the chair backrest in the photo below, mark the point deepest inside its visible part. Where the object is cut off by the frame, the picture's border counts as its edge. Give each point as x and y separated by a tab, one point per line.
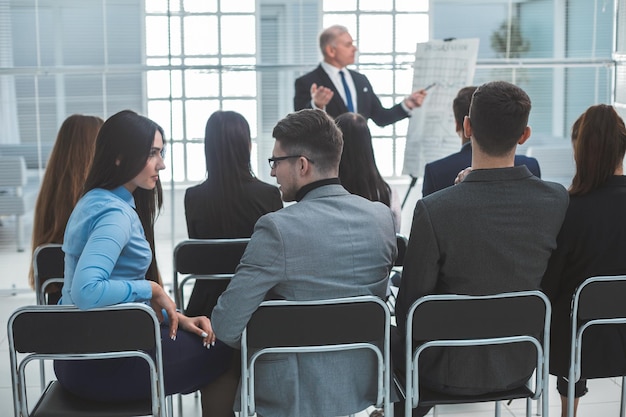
465	320
402	243
284	323
600	297
316	326
48	268
12	171
205	258
63	332
598	300
448	317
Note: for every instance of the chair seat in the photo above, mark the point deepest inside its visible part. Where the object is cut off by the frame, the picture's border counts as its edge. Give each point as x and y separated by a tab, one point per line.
58	402
432	398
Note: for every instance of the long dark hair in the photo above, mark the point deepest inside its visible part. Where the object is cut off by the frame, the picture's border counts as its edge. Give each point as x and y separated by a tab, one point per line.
358	172
599	140
227	153
122	151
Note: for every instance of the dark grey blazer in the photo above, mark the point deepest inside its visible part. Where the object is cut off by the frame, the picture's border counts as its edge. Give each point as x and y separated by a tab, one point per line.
368	103
330	244
441	173
492	233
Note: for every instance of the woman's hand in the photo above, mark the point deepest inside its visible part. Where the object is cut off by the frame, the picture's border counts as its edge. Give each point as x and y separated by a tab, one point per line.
161	301
201	326
461	175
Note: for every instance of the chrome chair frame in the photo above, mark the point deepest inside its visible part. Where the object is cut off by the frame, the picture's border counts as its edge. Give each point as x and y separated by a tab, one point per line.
317	330
593	305
86	334
412	387
208	259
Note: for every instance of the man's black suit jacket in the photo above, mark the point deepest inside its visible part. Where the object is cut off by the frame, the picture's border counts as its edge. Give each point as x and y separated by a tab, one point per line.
441	173
368	103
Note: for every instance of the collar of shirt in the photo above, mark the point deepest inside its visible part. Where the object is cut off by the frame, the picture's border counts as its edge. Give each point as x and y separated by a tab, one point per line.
125	195
313	185
333	74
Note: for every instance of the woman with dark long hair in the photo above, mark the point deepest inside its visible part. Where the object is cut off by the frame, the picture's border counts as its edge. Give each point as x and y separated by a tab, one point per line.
230	201
110	259
592	242
358	172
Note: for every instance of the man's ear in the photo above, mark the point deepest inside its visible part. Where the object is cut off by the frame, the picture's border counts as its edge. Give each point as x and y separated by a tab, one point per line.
304	166
467	127
524	136
329	50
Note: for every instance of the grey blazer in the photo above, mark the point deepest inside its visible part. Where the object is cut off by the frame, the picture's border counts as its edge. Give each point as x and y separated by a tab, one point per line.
330	244
492	233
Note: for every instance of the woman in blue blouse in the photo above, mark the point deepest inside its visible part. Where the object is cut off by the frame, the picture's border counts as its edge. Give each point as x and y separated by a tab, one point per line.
109	259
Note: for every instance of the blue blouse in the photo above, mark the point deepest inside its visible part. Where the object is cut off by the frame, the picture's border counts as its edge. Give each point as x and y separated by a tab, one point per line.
106	252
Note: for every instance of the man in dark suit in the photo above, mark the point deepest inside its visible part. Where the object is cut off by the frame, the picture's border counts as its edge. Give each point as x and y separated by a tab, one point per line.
337	90
491	233
441	173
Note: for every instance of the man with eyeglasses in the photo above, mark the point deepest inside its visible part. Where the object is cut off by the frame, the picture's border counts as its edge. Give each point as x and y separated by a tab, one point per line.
335	89
329	244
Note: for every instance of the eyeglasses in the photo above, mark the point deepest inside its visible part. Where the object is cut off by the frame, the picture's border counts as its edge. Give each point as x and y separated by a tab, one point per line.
273	160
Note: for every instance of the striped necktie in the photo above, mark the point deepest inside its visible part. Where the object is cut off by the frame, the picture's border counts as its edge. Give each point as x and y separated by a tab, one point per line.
349	103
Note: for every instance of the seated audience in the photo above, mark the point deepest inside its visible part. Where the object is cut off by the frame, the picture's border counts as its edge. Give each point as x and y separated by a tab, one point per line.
358	172
230	201
109	259
62	184
442	173
492	233
592	242
329	244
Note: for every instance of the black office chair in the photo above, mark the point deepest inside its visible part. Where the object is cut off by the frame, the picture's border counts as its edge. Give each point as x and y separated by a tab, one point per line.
350	323
65	332
597	301
449	320
48	269
206	259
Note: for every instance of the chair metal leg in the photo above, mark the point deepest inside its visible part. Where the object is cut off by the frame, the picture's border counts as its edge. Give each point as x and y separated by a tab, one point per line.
538	413
42	374
570	395
169	405
529	407
622	404
435	411
498	410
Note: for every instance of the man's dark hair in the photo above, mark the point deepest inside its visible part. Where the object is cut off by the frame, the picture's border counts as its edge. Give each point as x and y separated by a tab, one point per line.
461	104
498	116
311	133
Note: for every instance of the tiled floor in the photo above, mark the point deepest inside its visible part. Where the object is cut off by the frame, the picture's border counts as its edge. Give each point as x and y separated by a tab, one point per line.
602	400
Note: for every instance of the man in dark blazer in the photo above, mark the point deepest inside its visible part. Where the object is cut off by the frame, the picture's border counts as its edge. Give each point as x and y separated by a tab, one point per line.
441	173
337	90
492	233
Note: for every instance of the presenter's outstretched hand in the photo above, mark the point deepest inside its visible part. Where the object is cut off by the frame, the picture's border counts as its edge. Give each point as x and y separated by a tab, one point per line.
320	96
415	99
